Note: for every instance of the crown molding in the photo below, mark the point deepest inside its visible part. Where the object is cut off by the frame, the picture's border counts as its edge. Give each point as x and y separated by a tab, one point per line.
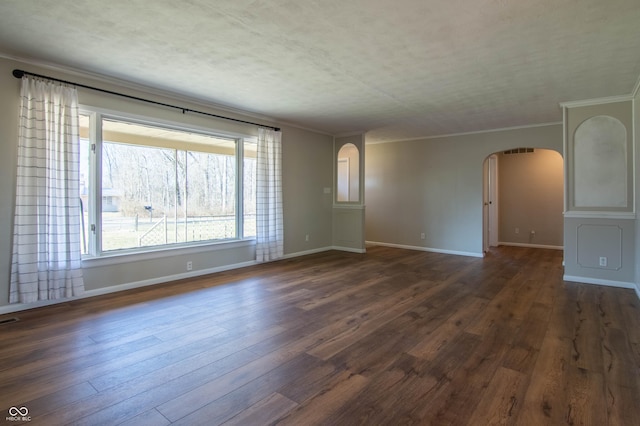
476	132
597	101
636	88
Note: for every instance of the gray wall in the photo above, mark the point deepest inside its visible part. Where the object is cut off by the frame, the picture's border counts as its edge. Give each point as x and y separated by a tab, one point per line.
531	192
307	170
434	186
637	184
9	104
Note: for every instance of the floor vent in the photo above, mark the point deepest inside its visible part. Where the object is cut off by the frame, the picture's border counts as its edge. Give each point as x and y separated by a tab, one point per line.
8	320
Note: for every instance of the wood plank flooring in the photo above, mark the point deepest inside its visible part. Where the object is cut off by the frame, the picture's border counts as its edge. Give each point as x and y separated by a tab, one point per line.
388	337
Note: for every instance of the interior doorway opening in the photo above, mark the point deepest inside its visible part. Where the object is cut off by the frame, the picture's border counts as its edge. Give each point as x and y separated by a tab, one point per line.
523	199
490	202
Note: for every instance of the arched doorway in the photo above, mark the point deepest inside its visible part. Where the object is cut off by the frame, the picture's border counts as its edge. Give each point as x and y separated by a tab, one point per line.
523	199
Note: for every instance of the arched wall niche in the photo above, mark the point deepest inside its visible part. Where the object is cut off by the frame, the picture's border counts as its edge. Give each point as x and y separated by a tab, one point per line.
600	164
348	207
349	170
348	174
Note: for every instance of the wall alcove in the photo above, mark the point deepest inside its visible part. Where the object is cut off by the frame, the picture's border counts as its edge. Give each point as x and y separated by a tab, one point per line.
348	174
600	159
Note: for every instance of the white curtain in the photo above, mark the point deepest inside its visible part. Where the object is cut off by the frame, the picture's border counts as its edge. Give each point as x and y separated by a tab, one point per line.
46	261
269	221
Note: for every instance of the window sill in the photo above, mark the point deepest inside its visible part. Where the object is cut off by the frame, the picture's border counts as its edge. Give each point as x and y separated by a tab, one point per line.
162	252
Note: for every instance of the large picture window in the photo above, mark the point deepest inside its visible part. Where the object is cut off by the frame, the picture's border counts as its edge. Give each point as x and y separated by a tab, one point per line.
144	186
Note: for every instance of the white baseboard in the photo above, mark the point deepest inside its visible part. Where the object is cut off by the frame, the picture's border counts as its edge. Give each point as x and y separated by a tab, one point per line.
322	249
598	281
306	252
429	249
349	249
126	286
16	307
542	246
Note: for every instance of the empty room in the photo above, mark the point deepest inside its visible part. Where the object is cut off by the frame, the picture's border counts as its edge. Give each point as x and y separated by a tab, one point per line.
319	212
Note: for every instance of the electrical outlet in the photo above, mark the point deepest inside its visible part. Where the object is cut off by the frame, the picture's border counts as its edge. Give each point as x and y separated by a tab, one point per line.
517	230
422	236
306	237
603	261
189	265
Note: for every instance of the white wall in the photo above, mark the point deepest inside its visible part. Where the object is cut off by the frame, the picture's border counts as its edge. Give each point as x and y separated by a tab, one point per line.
434	186
307	170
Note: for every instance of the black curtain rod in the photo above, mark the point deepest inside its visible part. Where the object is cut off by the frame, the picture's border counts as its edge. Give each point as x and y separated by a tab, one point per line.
21	73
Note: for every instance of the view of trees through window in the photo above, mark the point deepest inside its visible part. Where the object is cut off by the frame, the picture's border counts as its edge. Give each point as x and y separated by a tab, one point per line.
162	186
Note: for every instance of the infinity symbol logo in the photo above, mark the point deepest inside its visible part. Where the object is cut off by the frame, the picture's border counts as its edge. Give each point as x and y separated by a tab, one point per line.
22	411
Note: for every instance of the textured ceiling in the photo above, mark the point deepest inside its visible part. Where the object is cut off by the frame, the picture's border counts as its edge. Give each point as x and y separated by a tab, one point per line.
396	69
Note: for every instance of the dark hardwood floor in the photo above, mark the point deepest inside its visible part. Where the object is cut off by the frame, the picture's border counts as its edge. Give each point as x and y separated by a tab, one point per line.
388	337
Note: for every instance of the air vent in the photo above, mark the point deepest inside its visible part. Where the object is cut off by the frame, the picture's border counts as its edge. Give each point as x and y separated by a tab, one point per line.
519	151
8	320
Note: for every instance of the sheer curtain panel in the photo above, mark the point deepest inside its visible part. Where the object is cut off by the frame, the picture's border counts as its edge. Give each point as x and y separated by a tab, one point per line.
46	261
269	220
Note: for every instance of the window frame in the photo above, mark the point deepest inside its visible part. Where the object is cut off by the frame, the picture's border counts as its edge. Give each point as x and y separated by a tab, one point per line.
94	231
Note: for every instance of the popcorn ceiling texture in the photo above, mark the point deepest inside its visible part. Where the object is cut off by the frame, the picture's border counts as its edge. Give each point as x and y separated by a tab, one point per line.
396	69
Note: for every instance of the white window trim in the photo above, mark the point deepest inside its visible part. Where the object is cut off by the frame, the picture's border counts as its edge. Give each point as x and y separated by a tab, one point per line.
96	256
159	252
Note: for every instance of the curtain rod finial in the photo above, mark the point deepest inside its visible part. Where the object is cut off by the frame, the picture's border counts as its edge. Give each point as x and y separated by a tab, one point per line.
18	73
